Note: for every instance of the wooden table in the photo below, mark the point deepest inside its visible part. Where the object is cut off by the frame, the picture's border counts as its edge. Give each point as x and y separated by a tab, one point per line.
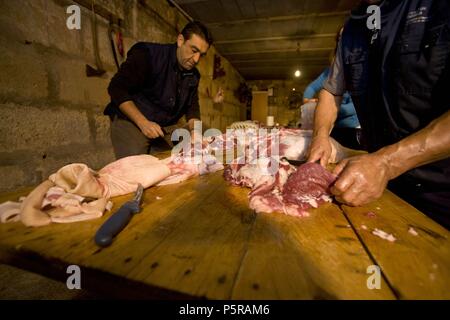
201	240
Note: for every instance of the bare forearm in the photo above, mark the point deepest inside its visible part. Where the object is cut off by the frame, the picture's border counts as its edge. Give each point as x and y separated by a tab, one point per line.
326	113
430	144
132	112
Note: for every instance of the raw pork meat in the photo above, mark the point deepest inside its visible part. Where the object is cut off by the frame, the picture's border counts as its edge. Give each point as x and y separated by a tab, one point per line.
76	192
288	143
290	191
268	197
308	185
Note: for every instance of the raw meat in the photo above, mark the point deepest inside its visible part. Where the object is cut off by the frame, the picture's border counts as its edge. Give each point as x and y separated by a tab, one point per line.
284	189
253	144
122	176
371	214
267	196
290	191
195	162
77	193
248	175
10	211
384	235
412	231
308	185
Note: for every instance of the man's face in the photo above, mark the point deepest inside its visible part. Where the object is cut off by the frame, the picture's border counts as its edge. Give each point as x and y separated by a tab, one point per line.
190	51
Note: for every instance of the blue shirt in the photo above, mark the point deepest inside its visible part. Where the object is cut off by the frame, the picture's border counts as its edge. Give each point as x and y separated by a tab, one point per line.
346	117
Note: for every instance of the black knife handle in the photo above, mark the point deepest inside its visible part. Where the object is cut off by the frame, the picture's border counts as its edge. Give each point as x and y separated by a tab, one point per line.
115	223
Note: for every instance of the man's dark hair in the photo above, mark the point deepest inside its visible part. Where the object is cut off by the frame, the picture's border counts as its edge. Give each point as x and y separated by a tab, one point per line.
198	28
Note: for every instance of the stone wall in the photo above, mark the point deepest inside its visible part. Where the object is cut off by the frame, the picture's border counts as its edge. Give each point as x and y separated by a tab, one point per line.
51	111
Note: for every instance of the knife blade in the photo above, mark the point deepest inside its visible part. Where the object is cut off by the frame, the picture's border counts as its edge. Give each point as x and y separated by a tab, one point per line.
294	162
119	219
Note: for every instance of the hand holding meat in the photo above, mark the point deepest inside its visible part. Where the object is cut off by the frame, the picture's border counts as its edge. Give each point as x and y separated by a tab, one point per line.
320	149
361	179
151	129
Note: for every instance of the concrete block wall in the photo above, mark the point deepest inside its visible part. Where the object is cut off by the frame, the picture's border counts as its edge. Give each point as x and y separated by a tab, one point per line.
51	113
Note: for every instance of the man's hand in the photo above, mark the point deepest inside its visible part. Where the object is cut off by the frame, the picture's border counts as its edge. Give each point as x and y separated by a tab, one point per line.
362	179
320	149
150	129
324	118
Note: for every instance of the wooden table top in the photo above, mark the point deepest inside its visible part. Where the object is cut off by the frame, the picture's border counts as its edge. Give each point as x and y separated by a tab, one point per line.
201	240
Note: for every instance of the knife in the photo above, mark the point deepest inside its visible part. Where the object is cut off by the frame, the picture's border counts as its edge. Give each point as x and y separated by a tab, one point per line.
119	219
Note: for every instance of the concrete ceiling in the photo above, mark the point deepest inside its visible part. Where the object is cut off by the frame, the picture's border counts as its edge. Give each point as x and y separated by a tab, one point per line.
270	39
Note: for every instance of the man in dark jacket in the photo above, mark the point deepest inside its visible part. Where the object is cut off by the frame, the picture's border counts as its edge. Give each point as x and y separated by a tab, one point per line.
154	88
398	76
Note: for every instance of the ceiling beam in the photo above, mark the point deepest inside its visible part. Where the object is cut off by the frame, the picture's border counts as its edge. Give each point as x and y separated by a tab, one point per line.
277	51
312	59
280	18
298	37
285	63
296	82
188	1
284	67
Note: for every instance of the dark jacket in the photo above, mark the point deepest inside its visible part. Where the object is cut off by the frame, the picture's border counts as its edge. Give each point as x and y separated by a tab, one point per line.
152	79
399	82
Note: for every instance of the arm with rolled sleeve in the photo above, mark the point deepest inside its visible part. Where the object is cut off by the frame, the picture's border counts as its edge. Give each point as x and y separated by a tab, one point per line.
330	98
316	85
363	179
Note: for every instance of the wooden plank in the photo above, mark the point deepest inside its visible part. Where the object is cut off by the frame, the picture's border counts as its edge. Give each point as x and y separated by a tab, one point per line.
68	236
78	237
14	234
202	240
157	219
316	257
417	267
163	247
203	253
64	244
164	235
